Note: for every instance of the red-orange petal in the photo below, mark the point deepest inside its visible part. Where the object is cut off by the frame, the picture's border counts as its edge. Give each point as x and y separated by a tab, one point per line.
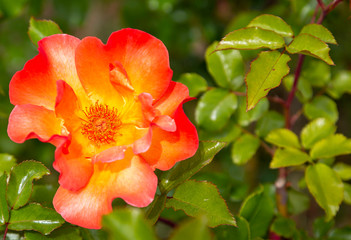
130	179
31	121
167	148
75	170
145	59
93	67
175	95
36	83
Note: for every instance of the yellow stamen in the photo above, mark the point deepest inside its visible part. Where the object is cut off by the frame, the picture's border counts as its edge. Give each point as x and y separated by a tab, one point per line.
101	124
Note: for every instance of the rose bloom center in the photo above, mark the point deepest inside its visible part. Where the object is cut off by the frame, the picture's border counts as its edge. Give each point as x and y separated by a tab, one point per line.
101	124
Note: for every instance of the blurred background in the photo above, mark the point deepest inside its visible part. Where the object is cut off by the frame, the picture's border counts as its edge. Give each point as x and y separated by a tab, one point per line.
187	28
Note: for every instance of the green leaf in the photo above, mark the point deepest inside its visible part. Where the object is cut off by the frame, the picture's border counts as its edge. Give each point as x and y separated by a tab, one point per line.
321	106
20	185
331	146
343	170
304	89
321	227
226	67
195	229
273	23
127	224
347	193
283	137
38	29
340	84
266	72
251	38
319	32
340	234
284	227
297	202
215	108
201	198
7	161
287	157
244	149
316	130
229	133
271	120
195	83
241	232
154	210
35	217
185	169
244	117
4	211
64	233
309	45
316	72
326	187
258	210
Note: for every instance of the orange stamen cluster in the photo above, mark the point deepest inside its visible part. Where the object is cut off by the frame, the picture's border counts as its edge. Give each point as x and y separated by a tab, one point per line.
101	124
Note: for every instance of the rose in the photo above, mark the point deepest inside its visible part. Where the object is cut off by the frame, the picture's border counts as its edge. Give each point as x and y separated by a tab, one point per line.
113	114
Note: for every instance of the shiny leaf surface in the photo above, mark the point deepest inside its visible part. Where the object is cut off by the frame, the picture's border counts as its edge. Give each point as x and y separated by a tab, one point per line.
286	157
266	72
215	108
35	217
127	224
320	32
201	198
258	210
321	106
332	146
38	29
195	229
244	148
283	137
326	187
7	161
4	211
241	232
310	45
251	38
273	23
226	67
316	130
187	168
343	170
195	83
20	184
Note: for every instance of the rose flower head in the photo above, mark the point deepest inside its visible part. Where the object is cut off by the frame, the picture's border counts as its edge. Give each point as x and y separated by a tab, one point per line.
113	114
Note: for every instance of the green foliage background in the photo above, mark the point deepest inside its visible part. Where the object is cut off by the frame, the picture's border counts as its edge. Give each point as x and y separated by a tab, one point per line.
188	28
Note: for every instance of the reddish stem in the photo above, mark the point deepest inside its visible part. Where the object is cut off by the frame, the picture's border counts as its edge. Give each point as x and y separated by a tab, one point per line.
6	229
281	182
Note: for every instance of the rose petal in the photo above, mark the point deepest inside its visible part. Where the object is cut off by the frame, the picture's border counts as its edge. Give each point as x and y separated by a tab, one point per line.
75	170
130	179
93	67
145	59
175	95
36	83
167	148
110	155
146	106
31	121
166	123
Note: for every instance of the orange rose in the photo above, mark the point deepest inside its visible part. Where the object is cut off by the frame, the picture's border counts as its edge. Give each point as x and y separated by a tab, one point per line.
113	114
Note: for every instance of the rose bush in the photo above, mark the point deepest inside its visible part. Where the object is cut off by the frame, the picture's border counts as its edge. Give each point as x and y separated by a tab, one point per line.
113	114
